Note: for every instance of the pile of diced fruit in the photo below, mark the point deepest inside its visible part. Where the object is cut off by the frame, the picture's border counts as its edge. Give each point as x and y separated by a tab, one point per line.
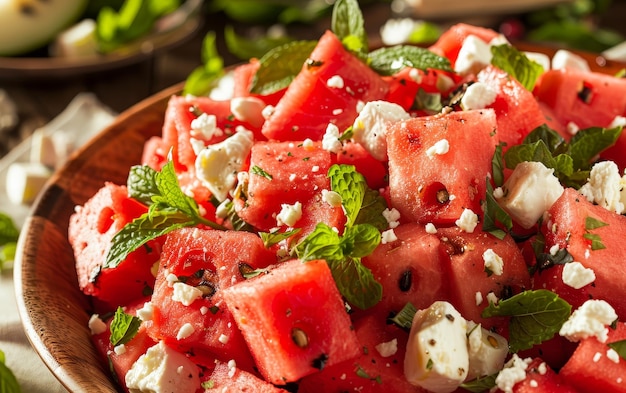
398	220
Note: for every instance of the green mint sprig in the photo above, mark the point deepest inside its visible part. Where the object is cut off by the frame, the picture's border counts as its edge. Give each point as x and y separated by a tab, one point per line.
204	77
536	316
169	209
123	327
619	347
343	252
571	160
279	66
515	63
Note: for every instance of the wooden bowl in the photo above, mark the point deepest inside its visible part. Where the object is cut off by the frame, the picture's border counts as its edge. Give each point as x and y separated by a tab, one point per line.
54	311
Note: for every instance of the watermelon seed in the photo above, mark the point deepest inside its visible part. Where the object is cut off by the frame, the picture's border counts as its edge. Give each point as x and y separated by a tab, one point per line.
299	337
443	196
406	280
207	288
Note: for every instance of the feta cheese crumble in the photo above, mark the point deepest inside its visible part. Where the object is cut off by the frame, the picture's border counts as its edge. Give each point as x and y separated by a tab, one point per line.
336	82
589	320
163	369
439	148
217	165
576	275
388	236
530	191
467	221
96	325
388	348
370	126
205	127
289	214
478	95
330	140
605	187
185	294
493	262
514	371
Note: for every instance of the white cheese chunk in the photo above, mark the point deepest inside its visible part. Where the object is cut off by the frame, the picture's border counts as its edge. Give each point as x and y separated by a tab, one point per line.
330	140
478	95
97	325
589	320
468	221
436	356
529	192
146	312
217	165
576	275
289	214
162	370
370	127
440	147
25	180
487	351
205	127
185	294
248	110
388	348
605	187
566	59
514	371
474	55
493	262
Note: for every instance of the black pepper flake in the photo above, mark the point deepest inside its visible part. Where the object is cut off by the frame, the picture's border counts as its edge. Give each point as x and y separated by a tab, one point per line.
450	317
320	362
310	63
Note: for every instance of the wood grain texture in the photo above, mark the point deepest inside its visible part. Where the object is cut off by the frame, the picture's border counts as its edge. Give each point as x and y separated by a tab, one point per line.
54	311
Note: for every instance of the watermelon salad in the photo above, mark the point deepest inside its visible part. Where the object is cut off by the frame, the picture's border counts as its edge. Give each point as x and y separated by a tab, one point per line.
403	219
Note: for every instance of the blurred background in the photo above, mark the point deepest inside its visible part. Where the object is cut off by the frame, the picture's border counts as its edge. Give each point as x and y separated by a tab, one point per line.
41	86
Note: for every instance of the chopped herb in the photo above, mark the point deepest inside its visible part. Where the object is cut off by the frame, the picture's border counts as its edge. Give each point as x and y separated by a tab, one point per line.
390	60
535	317
516	64
404	319
593	223
480	385
273	238
430	364
596	241
257	170
123	327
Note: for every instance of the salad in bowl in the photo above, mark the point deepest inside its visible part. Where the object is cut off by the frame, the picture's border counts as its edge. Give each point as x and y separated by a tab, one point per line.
402	219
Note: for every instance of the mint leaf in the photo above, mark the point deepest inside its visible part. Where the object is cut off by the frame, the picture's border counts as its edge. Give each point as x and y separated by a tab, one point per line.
348	24
593	223
619	347
515	63
204	77
272	238
247	48
497	166
141	183
372	209
390	60
535	317
230	215
404	318
596	241
8	382
351	185
495	214
123	327
360	240
7	253
356	282
589	142
171	209
280	66
257	170
322	243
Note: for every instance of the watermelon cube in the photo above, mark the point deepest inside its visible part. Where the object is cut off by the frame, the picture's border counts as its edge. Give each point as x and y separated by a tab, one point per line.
438	165
91	229
294	320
